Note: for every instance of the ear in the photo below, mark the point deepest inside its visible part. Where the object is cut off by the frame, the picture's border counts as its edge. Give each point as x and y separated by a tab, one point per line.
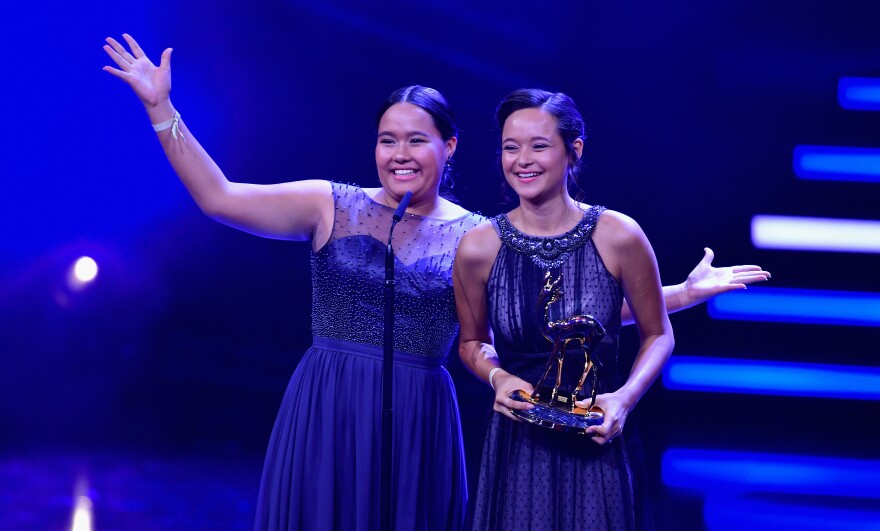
451	144
578	146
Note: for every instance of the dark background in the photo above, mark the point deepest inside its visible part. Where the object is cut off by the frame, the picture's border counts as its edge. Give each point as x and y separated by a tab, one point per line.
180	351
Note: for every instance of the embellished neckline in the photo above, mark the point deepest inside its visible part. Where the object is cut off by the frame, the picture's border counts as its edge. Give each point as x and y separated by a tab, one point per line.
410	214
549	252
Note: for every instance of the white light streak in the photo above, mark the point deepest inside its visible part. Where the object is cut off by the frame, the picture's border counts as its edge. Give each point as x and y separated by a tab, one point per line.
816	234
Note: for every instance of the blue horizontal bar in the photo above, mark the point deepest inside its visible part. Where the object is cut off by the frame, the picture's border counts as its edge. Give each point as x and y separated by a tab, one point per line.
859	93
735	513
718	375
798	306
717	471
831	163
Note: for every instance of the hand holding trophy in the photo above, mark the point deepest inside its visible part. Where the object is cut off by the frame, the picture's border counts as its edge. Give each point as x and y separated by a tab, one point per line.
554	409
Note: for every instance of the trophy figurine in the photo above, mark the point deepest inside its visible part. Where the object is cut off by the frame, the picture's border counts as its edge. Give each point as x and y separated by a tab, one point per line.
552	408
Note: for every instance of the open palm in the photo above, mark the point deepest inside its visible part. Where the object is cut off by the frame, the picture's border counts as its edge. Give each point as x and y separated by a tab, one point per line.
151	83
706	281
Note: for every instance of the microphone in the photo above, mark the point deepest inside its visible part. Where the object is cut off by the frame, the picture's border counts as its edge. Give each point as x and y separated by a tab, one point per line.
401	208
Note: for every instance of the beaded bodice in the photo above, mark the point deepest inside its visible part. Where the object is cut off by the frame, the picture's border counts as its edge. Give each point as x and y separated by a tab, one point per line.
516	279
348	275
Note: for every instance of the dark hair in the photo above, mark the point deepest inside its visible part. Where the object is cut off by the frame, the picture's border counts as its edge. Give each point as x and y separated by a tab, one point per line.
569	122
431	101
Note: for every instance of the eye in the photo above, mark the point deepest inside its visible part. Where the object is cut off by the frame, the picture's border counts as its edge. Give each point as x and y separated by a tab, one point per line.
386	141
509	148
417	141
541	146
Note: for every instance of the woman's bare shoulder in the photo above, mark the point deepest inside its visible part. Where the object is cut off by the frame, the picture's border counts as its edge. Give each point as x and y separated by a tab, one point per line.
479	244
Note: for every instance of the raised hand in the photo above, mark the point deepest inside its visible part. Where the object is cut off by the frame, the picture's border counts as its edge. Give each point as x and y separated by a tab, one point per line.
151	83
705	281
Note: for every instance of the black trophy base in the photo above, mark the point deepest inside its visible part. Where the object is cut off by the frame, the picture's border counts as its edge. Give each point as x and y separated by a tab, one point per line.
559	416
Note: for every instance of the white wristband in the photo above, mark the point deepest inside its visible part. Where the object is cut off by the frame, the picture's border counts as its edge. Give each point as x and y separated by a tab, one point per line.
173	123
492	374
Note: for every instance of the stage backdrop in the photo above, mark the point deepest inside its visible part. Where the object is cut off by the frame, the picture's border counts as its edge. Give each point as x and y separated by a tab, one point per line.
731	125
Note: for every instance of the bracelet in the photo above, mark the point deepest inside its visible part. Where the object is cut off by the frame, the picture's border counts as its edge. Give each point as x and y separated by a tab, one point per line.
491	374
173	123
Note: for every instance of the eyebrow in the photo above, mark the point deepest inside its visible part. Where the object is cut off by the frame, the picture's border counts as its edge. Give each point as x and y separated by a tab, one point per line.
411	133
508	139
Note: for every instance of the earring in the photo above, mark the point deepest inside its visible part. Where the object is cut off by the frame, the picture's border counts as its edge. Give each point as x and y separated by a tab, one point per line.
446	179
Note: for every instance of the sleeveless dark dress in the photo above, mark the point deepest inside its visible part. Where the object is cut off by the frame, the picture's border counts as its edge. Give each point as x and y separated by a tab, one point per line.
322	467
531	477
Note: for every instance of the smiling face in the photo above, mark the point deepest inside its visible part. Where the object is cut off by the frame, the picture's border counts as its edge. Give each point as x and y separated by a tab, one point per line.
411	153
533	155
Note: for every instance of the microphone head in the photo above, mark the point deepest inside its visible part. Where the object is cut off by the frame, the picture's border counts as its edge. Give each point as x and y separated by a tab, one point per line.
401	208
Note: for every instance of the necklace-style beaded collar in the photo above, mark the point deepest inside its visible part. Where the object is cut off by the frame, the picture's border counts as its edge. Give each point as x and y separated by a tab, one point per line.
548	252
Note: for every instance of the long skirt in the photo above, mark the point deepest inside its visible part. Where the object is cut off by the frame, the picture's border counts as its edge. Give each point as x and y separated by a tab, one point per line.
323	464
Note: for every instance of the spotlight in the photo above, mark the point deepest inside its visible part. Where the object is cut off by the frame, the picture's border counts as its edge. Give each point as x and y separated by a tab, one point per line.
82	273
85	269
82	515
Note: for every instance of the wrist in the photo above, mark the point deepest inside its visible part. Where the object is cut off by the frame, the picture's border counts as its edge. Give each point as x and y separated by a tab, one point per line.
685	298
493	375
627	399
161	111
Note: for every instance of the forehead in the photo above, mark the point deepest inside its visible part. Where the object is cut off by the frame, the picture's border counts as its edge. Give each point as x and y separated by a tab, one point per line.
530	122
403	118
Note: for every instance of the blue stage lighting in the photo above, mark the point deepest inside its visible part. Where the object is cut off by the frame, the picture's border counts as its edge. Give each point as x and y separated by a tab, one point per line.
719	471
798	306
831	163
723	513
816	234
692	373
859	93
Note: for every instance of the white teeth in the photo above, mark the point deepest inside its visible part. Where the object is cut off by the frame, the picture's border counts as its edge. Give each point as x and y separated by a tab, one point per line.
404	172
526	175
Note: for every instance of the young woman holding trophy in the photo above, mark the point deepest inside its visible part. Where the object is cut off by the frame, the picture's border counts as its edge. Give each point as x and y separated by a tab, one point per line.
555	265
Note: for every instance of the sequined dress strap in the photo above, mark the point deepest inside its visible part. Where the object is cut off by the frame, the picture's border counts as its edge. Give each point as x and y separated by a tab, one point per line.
548	252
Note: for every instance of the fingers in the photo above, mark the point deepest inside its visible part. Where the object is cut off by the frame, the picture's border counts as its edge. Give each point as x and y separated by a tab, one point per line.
118	73
507	412
118	59
508	403
708	256
165	60
585	403
751	274
135	49
604	433
751	279
744	268
120	49
505	405
599	435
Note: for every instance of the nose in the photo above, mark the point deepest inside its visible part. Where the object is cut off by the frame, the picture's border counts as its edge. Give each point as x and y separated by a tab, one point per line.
524	158
401	154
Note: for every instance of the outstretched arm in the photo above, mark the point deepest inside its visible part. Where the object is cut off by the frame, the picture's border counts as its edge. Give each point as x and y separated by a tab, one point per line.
703	283
295	210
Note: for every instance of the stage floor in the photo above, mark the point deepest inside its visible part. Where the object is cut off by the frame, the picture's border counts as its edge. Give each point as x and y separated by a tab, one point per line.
129	492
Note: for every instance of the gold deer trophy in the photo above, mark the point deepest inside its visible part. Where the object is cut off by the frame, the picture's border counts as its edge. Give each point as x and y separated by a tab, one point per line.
558	411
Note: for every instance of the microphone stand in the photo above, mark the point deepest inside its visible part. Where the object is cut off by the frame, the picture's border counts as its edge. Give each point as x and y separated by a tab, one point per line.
386	514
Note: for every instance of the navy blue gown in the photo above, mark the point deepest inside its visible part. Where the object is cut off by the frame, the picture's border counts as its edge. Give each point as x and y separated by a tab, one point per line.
532	478
322	467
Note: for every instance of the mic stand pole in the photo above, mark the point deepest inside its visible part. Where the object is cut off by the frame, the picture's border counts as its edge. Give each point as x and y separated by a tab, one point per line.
386	514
